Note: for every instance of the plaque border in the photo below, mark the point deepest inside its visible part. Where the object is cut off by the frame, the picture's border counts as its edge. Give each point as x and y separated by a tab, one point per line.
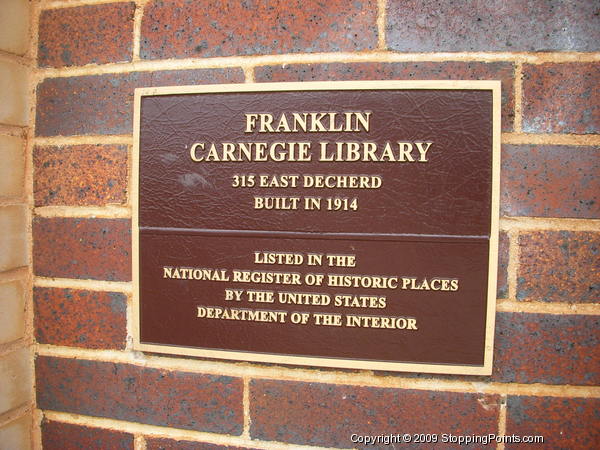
343	363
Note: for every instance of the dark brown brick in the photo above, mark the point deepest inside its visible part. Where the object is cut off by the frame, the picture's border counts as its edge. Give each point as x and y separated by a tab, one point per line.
92	34
82	248
327	415
401	71
103	104
139	394
547	348
567	423
80	175
188	29
503	255
559	266
171	444
80	318
496	25
550	181
65	436
561	98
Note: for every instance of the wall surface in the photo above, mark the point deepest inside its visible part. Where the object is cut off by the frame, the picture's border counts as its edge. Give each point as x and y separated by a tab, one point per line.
93	390
16	356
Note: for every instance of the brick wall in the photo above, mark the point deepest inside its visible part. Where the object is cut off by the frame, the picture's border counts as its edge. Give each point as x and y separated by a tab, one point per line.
16	356
94	391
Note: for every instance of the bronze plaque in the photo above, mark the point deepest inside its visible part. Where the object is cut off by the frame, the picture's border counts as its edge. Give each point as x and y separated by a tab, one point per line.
341	224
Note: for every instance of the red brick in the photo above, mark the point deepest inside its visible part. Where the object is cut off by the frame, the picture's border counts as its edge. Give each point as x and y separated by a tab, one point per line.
494	25
401	71
547	348
92	34
140	394
563	422
503	255
551	181
80	318
559	266
327	415
171	444
65	436
97	249
80	175
561	98
189	29
103	104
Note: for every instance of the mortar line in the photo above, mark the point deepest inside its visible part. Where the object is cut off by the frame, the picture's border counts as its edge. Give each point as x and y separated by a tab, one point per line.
22	276
167	432
139	442
308	375
248	74
125	139
13	201
128	199
30	322
13	130
94	212
246	406
137	29
21	60
548	224
124	287
502	420
18	274
36	434
15	414
550	139
514	255
381	19
540	307
372	56
10	347
129	323
518	94
35	12
49	4
32	53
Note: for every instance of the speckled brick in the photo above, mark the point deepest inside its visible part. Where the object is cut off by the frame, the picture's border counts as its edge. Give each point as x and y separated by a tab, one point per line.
547	348
66	436
80	175
559	266
327	415
91	34
103	104
550	181
561	98
80	318
189	29
451	70
171	444
567	423
133	393
503	255
492	25
98	249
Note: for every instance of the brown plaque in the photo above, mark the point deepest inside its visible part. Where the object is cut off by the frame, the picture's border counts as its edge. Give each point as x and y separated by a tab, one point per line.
341	224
